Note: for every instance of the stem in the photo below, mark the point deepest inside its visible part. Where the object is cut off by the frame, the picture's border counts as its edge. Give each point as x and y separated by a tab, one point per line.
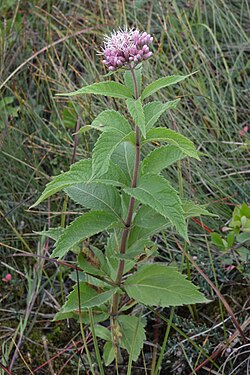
127	228
156	371
81	327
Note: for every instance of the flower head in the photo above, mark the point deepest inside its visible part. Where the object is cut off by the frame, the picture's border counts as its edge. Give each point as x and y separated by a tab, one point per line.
126	48
7	278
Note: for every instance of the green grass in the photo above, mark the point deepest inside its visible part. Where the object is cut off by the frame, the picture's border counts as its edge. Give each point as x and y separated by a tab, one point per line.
37	142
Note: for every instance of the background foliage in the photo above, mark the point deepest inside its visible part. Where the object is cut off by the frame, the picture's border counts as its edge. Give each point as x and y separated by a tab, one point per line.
38	141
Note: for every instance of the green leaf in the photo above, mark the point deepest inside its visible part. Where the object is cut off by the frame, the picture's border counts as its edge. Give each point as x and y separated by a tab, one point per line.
82	172
103	332
124	157
115	176
192	210
132	334
87	278
83	227
108	353
146	217
108	88
140	247
244	255
112	120
60	315
230	239
129	82
90	296
99	315
154	110
136	111
160	285
53	233
245	211
161	83
156	192
79	172
93	262
96	196
139	235
243	238
6	101
104	148
113	252
170	136
218	241
161	158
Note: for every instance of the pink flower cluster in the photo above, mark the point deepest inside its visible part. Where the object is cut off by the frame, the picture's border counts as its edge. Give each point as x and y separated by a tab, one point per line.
126	48
7	278
244	131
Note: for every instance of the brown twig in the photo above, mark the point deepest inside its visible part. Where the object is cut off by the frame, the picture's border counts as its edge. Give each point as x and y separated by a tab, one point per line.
5	369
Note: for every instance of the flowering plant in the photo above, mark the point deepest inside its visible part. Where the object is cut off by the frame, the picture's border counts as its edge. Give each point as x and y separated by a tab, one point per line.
127	196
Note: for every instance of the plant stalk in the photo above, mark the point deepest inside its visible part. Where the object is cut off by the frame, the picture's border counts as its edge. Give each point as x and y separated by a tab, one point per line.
126	230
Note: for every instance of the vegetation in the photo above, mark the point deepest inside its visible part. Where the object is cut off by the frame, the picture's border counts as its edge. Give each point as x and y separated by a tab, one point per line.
48	47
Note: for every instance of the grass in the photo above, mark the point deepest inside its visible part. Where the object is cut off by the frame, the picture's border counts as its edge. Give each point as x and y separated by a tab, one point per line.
37	142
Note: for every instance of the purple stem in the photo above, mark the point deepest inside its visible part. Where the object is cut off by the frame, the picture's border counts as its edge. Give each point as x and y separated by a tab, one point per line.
126	230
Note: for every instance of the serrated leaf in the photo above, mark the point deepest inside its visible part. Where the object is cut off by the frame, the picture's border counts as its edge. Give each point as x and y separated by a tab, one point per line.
161	83
108	88
96	196
112	120
81	228
146	217
132	334
82	172
115	176
139	247
93	261
104	148
53	233
90	296
129	82
160	285
108	353
124	157
161	158
192	210
156	192
136	111
79	172
170	136
112	254
154	110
